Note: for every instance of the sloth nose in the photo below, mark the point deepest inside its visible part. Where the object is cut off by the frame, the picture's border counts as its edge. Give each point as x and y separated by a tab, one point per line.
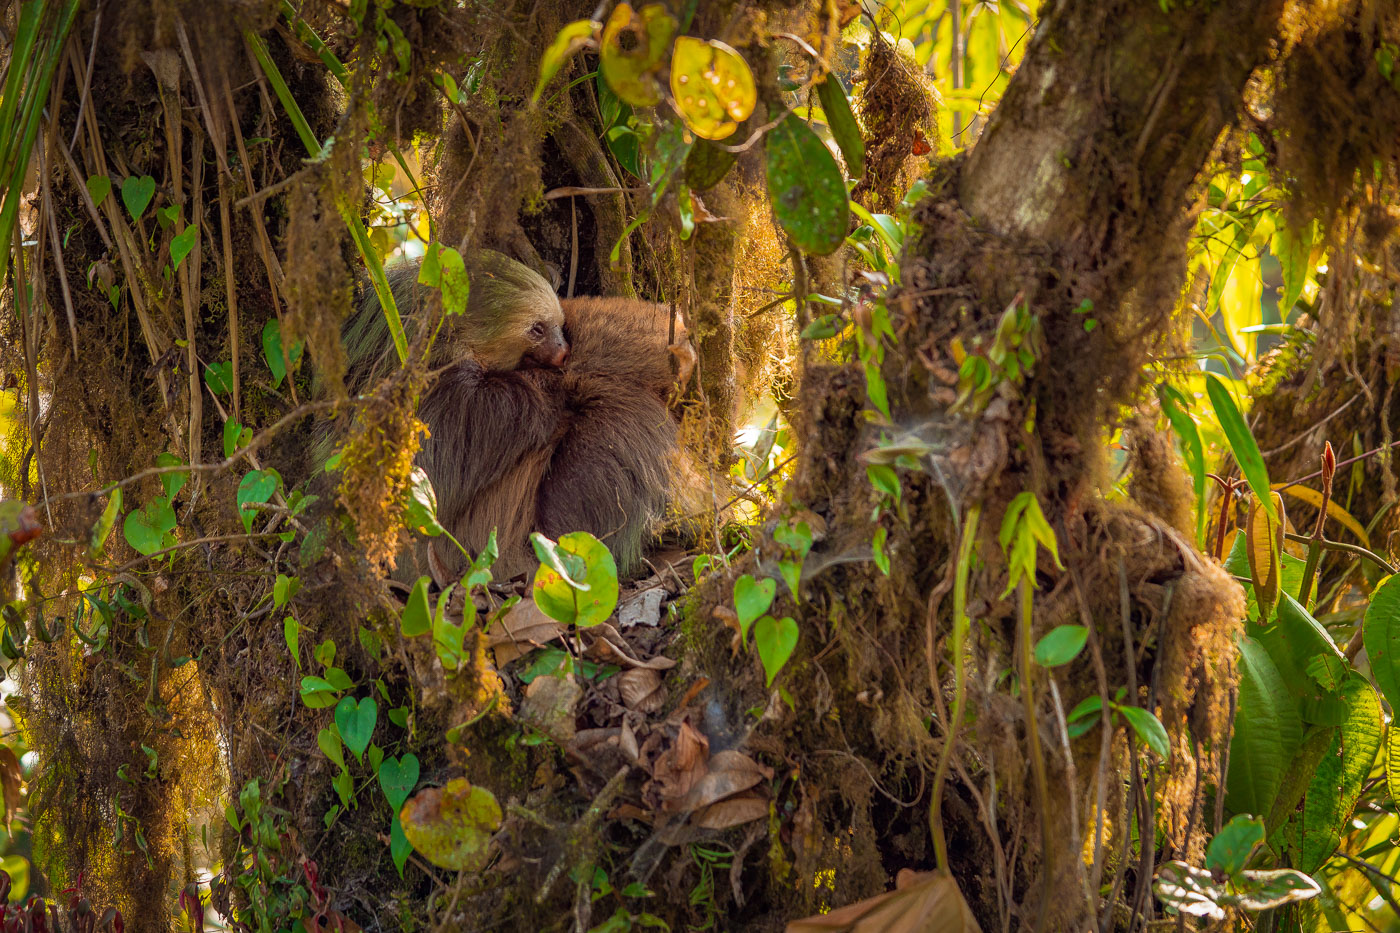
561	356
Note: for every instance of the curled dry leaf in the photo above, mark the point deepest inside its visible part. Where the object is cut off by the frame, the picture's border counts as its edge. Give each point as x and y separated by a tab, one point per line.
922	902
641	689
734	811
727	773
681	766
521	629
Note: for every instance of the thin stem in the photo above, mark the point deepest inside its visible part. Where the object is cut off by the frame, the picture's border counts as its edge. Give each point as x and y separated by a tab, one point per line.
1356	549
961	625
1042	784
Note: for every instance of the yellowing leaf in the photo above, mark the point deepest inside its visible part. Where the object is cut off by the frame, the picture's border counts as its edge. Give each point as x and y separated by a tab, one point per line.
1265	548
452	825
1240	302
629	65
570	39
713	87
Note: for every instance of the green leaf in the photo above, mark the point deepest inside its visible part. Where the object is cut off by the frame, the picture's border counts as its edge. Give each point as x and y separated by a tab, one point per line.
1292	249
399	846
283	589
102	529
219	377
1061	645
1230	849
173	481
291	632
235	436
1174	406
145	529
1148	727
1380	633
318	693
256	488
1337	783
1267	734
356	723
842	121
420	504
571	601
272	351
1266	889
137	194
751	600
706	164
181	244
712	87
806	187
98	187
569	40
417	614
775	639
1242	443
329	743
397	778
877	548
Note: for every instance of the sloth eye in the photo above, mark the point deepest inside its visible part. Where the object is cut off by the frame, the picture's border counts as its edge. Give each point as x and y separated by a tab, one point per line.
537	330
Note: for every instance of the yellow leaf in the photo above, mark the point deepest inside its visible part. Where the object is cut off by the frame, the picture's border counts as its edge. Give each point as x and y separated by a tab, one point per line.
713	87
1240	305
1314	498
1264	547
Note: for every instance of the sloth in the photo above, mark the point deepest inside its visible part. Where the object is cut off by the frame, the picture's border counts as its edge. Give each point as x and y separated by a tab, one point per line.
543	416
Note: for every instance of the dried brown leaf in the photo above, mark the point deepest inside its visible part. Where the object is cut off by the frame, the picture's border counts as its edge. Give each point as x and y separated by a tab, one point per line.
735	811
641	689
922	902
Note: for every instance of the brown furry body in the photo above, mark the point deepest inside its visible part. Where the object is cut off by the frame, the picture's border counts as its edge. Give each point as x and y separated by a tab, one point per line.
587	447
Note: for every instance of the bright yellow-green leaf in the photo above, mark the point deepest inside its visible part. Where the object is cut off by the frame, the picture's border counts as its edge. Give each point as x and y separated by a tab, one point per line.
570	39
1264	545
713	87
1240	305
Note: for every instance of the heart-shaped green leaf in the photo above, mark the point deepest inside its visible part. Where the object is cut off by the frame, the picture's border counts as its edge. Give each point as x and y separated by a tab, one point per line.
776	639
356	723
1061	645
254	489
751	600
181	244
318	693
397	778
137	194
219	377
98	187
329	743
145	529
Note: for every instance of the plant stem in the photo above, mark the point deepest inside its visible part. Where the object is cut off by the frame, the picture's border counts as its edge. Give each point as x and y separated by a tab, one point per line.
961	625
1042	785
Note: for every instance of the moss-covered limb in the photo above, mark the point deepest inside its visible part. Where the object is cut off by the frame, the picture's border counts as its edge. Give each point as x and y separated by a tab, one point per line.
712	319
